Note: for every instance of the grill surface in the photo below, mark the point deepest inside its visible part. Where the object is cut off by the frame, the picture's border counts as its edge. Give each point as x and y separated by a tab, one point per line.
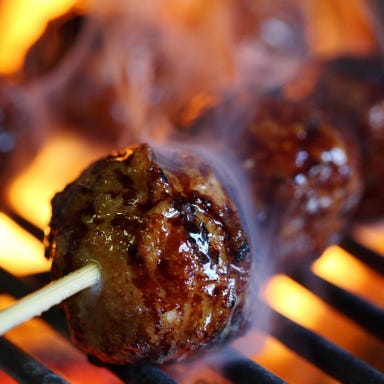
323	353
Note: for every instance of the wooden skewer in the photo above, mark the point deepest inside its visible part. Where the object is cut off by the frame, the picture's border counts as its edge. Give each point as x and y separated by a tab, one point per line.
54	293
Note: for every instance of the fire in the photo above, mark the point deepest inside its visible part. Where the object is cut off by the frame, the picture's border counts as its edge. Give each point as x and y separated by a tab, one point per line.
336	264
294	301
288	298
22	22
20	252
58	163
65	155
278	359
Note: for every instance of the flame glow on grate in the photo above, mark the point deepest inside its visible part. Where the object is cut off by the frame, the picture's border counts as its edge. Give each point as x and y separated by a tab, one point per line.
343	270
20	252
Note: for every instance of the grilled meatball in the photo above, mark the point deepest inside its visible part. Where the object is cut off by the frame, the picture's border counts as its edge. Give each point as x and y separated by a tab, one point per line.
173	256
304	177
350	89
303	174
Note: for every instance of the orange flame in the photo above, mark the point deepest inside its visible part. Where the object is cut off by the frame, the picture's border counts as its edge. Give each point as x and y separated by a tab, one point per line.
22	22
30	195
20	253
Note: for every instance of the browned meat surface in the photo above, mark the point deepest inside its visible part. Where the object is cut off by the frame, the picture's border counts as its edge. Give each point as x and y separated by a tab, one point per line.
351	91
304	177
174	259
303	174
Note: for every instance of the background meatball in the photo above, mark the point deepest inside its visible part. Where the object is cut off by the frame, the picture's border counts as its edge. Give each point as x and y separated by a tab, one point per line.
351	91
304	177
174	259
303	174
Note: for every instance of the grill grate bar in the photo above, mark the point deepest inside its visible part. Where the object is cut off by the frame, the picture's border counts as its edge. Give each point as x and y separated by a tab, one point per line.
23	367
31	228
129	374
321	352
367	315
16	288
141	374
12	285
327	356
367	256
241	370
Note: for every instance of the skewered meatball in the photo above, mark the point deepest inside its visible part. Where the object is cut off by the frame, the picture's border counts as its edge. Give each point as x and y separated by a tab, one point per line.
303	174
173	256
351	91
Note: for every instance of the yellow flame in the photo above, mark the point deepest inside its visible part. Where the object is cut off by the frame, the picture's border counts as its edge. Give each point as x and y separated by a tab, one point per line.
335	264
345	271
20	252
295	302
58	163
22	22
292	300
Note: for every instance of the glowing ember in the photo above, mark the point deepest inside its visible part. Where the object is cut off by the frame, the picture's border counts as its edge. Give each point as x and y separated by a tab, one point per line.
300	305
65	156
278	359
290	299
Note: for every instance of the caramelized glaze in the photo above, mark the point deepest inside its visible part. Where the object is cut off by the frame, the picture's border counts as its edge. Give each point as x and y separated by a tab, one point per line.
175	262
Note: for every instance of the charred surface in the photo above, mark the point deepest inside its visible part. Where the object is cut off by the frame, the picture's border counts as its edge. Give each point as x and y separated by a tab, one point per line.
174	260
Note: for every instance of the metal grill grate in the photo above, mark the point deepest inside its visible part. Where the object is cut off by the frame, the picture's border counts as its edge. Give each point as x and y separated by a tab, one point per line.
331	359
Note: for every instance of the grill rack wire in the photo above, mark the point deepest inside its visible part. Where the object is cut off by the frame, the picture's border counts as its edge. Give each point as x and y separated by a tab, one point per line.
319	351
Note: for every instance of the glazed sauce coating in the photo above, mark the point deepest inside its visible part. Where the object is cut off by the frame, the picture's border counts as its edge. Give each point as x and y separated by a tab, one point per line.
174	259
350	90
304	177
303	173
